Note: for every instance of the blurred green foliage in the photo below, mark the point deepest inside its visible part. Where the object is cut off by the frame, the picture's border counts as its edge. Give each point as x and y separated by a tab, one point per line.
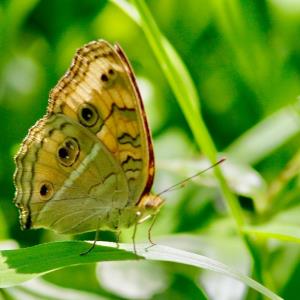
244	58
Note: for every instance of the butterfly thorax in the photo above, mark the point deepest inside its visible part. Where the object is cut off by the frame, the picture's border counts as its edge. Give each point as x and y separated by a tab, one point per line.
128	216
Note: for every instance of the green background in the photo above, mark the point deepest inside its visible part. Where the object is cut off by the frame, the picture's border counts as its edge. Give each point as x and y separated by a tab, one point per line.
244	59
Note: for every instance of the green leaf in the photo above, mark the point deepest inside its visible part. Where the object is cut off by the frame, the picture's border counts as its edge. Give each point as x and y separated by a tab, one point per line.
23	264
284	226
283	232
17	266
260	141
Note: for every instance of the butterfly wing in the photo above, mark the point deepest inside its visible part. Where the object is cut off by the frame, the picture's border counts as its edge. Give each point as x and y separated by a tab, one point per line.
89	162
99	91
67	180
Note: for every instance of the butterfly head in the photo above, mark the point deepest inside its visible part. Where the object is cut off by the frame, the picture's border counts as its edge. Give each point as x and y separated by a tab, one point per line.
149	206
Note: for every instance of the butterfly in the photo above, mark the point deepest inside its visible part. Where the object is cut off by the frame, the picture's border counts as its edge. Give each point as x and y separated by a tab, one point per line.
88	164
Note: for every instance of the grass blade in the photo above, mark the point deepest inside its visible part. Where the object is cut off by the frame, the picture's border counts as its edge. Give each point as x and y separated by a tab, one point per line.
17	266
189	102
283	232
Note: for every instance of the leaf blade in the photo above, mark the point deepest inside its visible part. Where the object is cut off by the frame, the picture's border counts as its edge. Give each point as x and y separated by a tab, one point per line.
20	265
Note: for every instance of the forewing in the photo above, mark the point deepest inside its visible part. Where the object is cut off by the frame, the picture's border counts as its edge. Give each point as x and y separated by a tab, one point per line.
99	91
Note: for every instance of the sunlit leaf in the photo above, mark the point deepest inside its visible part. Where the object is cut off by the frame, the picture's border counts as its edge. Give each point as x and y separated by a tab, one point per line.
23	264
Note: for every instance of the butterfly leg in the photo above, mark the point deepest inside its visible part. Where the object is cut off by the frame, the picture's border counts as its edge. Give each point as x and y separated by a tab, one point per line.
118	234
94	243
149	232
133	237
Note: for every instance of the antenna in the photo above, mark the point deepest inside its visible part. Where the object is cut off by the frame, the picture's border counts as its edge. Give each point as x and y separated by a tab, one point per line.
181	183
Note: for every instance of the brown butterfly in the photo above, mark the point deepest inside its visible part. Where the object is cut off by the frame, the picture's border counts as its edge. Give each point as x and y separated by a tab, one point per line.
88	164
